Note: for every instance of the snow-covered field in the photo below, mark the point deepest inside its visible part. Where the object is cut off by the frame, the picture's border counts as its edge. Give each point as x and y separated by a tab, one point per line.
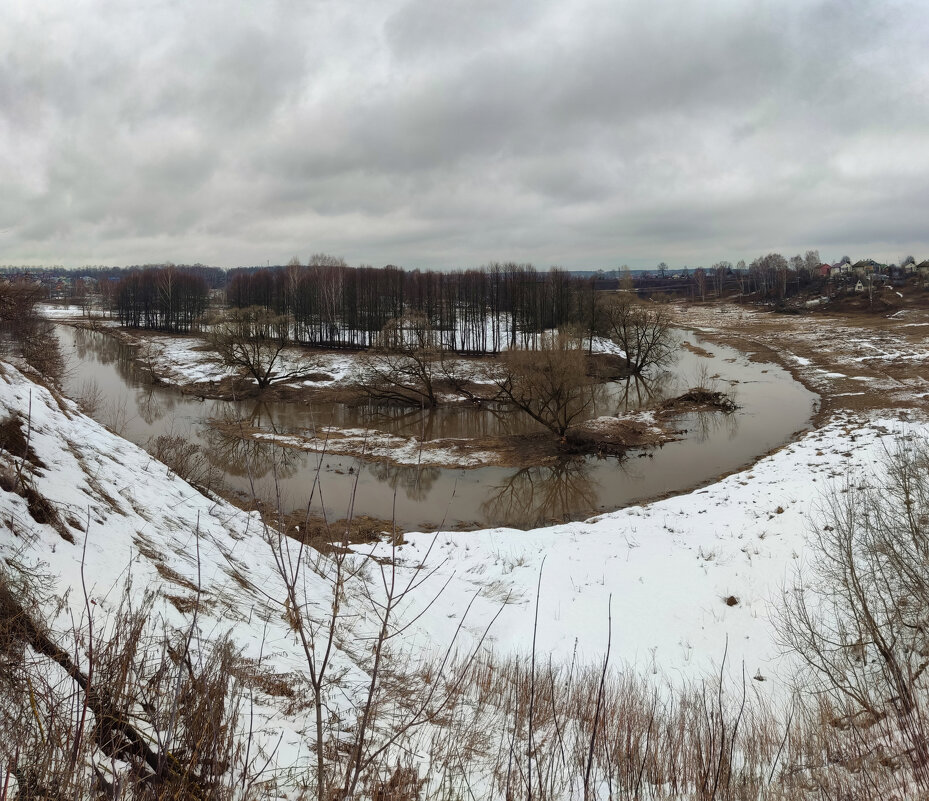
666	569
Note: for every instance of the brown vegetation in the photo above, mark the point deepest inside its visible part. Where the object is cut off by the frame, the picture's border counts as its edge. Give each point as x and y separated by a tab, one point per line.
252	341
25	334
699	399
550	383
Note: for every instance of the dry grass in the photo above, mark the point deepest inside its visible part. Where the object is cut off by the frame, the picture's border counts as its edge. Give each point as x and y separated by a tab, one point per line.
501	729
135	712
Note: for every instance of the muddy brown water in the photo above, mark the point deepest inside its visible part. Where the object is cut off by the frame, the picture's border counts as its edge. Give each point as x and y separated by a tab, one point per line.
773	407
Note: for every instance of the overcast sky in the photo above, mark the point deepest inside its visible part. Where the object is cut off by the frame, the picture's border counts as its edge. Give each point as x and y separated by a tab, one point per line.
449	133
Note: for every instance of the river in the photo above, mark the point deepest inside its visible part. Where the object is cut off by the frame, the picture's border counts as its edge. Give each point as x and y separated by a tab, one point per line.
773	407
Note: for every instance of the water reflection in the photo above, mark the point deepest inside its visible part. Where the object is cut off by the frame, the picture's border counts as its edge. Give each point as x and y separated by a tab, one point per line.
704	426
416	482
637	391
94	346
534	496
151	407
773	406
247	457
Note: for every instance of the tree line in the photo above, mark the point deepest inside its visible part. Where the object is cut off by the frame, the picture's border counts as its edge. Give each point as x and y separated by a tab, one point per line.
484	310
479	310
161	298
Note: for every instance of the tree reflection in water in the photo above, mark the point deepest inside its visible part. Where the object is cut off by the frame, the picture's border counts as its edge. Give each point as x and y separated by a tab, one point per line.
415	481
151	407
243	455
534	496
106	350
700	425
402	418
637	391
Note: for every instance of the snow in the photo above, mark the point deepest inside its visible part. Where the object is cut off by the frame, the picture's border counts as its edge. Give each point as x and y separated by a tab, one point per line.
142	521
56	312
664	568
668	565
189	360
379	445
661	571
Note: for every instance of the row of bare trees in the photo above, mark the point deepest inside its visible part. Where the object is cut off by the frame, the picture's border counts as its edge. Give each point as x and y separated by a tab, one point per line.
161	298
482	310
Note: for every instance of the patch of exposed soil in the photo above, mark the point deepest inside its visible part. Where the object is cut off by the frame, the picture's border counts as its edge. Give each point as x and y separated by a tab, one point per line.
13	441
329	535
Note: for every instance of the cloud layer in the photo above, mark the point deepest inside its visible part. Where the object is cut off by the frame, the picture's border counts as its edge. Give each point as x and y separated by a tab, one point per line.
446	134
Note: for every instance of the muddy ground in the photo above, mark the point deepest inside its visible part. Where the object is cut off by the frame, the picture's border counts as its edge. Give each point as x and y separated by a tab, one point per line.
854	360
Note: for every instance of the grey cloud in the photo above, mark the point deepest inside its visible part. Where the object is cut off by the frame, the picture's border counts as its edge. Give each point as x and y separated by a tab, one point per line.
585	133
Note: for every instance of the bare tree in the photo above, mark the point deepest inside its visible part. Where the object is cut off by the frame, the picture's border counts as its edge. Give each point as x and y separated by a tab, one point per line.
859	619
405	363
26	334
720	271
626	281
643	331
700	282
741	274
797	267
812	262
550	384
252	340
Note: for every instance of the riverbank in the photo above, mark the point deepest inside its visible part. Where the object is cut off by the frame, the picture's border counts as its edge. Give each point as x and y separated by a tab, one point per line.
680	590
855	363
408	465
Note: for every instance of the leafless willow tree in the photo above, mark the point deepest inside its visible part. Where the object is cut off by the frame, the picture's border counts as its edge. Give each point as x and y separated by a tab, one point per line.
549	384
859	619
